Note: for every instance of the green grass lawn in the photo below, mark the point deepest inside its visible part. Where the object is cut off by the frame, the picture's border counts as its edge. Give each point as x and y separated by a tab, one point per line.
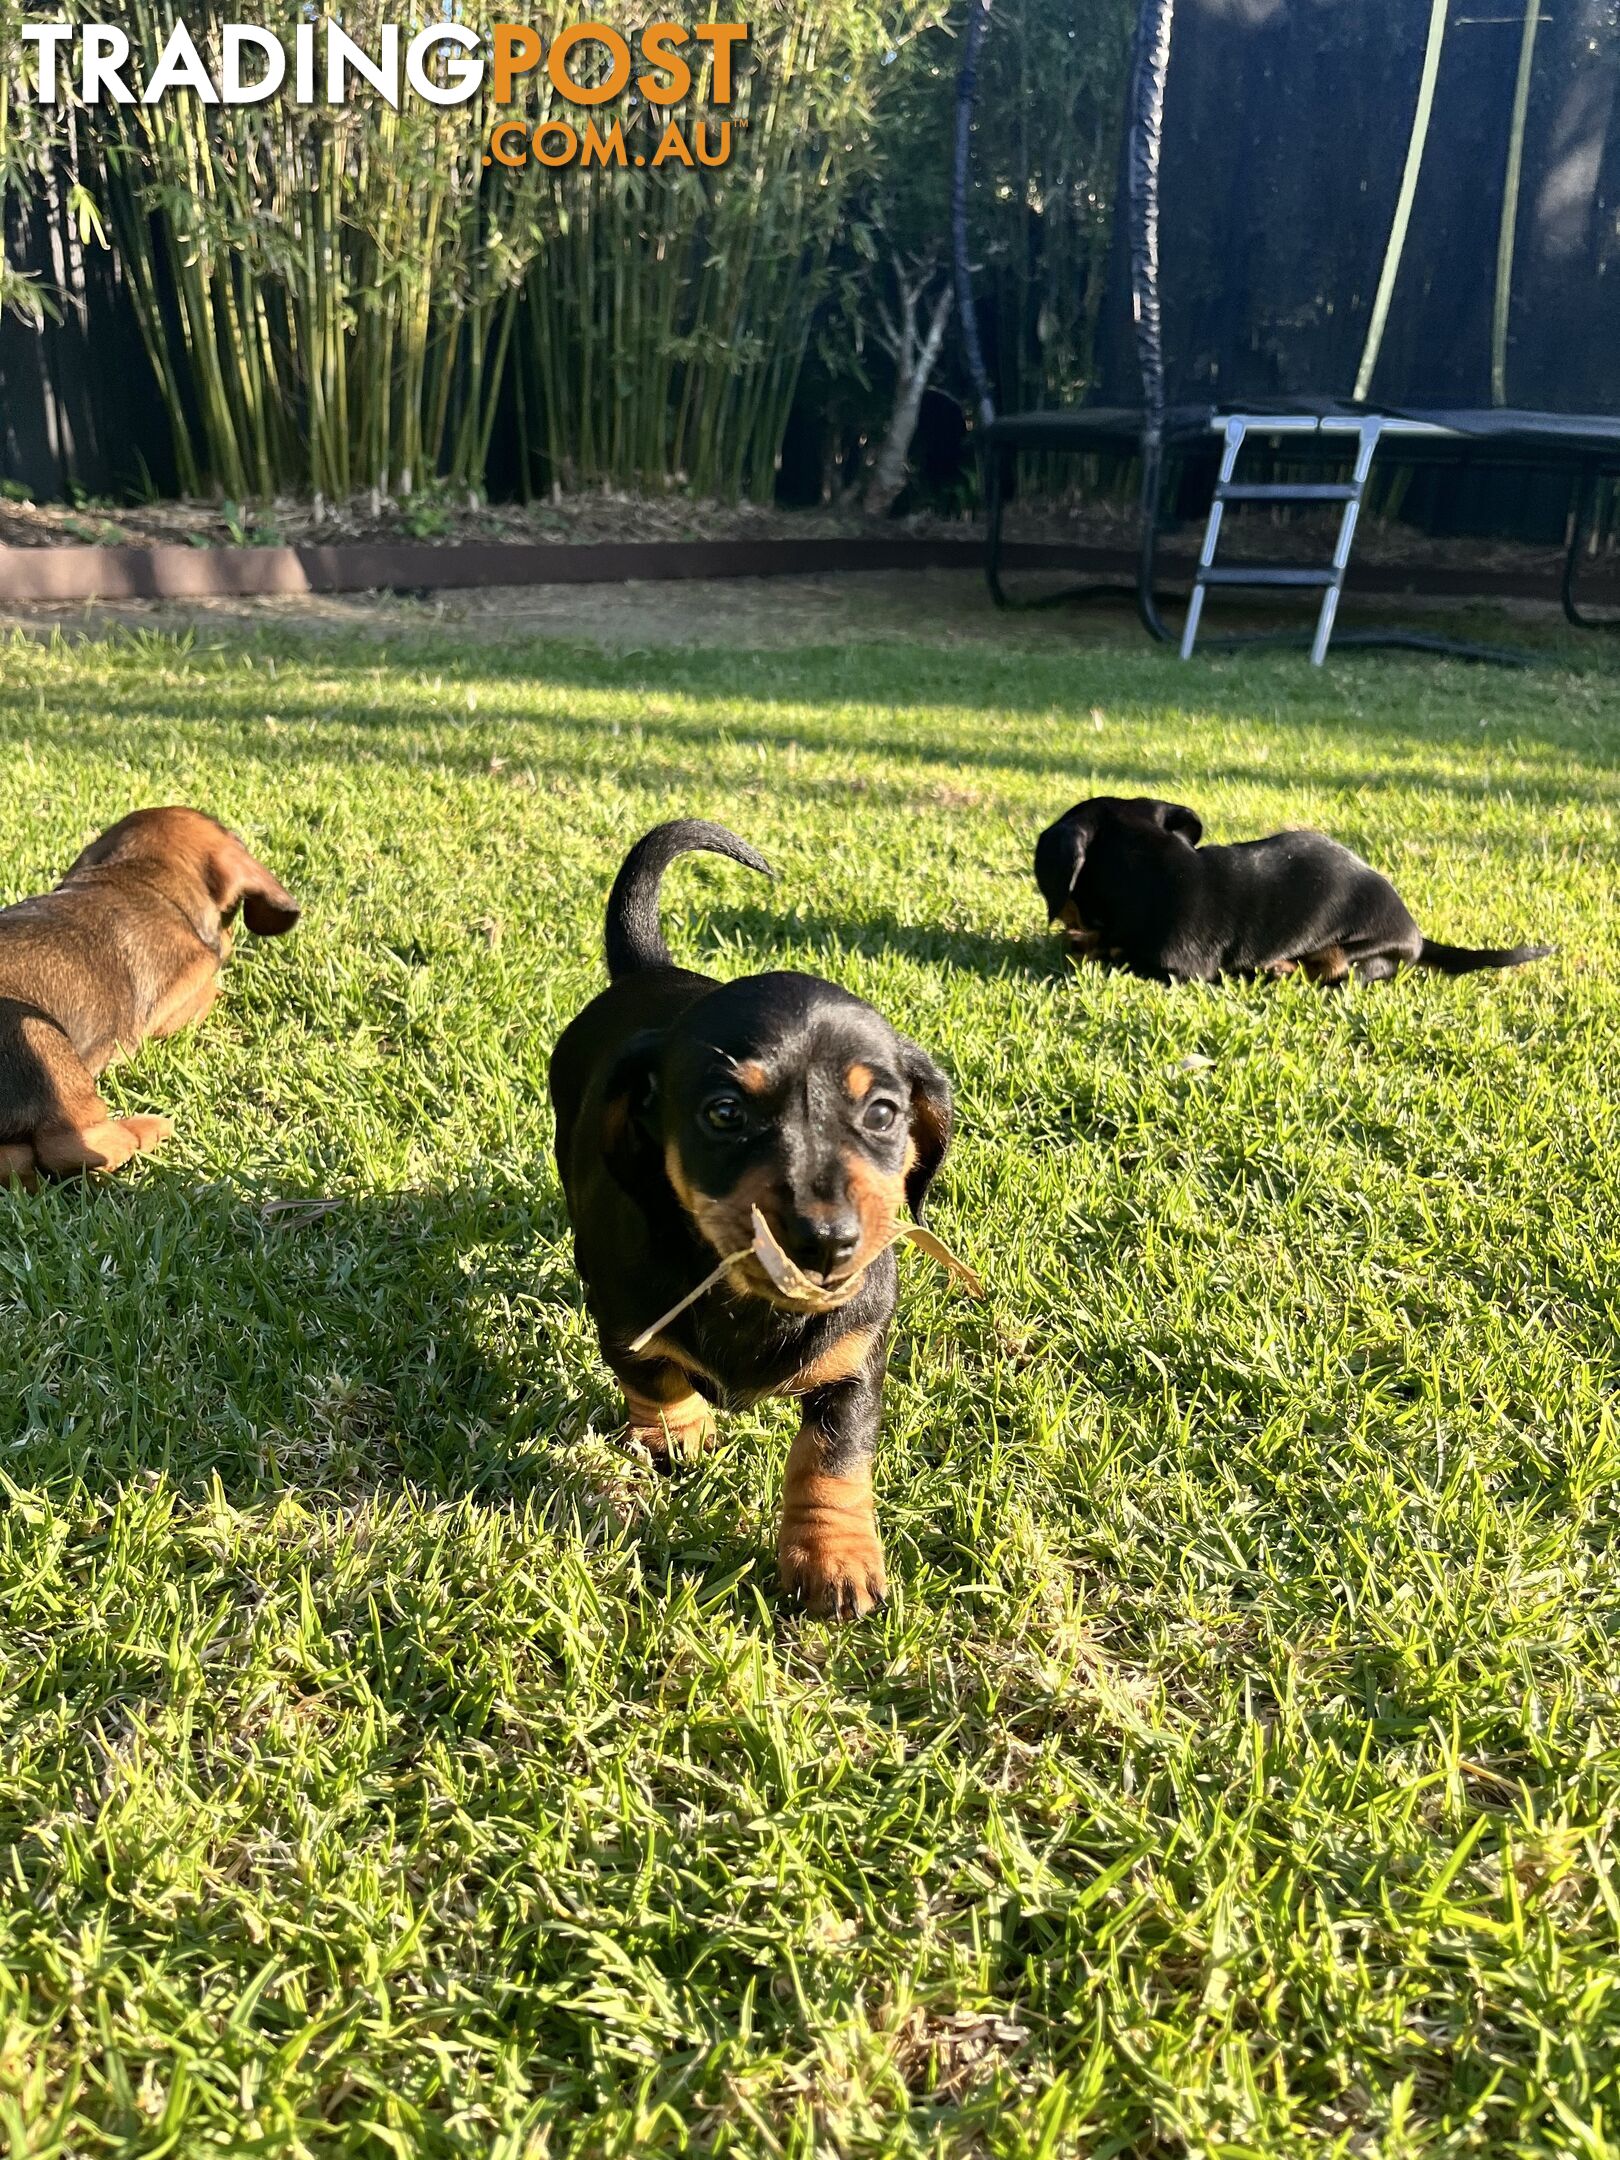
390	1765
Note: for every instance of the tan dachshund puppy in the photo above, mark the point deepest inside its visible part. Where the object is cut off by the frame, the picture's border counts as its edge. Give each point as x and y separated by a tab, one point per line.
128	945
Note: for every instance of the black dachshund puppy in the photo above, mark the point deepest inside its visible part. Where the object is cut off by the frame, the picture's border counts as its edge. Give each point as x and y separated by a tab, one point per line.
683	1105
1128	882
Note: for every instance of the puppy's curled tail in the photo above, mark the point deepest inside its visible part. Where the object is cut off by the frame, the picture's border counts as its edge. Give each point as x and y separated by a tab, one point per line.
634	939
1465	959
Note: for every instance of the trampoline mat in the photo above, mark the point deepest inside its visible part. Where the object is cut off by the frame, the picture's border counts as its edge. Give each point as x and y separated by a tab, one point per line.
1577	438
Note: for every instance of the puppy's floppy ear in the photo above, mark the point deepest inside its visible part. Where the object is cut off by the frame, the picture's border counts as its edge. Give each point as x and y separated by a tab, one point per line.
236	878
628	1139
931	1119
1177	818
1060	855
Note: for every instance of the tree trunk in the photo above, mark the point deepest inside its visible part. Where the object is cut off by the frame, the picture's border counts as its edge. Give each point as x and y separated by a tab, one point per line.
914	361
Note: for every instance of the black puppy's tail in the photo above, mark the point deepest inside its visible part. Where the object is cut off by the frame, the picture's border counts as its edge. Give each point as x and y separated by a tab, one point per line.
634	939
1465	959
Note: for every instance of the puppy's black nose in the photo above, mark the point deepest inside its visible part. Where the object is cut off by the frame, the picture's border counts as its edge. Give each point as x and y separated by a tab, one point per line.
823	1244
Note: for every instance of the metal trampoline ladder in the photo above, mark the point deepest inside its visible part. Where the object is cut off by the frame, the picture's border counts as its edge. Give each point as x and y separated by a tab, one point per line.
1349	492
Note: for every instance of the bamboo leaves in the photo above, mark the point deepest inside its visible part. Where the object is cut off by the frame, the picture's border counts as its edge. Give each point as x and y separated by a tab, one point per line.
667	313
336	298
324	291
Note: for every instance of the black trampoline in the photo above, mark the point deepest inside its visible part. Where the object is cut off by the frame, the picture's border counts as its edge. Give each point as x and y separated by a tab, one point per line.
1345	228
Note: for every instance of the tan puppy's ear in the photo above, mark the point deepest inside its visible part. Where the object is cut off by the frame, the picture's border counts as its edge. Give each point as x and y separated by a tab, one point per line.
236	878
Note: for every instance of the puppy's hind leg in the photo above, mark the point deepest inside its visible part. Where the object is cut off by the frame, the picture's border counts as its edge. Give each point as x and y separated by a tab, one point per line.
73	1130
1381	953
1389	941
1330	967
1376	967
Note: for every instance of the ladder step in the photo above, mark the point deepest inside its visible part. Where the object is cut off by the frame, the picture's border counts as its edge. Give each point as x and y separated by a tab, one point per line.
1258	576
1289	491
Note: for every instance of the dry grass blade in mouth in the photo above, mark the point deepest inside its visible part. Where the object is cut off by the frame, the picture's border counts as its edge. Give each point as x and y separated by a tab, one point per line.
691	1298
789	1277
793	1282
937	1249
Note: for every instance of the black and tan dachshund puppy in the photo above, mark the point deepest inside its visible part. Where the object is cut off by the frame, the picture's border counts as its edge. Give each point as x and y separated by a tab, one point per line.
682	1106
1129	883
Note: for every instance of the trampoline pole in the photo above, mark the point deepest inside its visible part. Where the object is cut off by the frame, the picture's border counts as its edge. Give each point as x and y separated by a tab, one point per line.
994	465
1582	515
1147	603
1147	142
1507	231
967	85
989	459
1417	141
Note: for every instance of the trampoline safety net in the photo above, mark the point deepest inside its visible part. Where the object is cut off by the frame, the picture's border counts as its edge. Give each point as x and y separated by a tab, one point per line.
1412	204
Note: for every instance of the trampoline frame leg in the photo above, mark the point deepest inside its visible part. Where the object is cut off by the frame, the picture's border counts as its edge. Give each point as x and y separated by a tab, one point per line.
1368	434
1583	500
1147	600
995	497
995	467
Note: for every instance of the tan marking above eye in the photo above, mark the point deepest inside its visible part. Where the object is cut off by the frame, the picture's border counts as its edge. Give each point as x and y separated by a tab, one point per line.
752	1077
858	1081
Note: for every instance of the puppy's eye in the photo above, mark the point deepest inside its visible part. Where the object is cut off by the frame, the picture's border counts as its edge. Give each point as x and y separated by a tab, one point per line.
724	1115
881	1117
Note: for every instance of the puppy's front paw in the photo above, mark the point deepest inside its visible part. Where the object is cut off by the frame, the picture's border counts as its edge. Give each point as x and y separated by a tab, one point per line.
148	1132
678	1431
834	1569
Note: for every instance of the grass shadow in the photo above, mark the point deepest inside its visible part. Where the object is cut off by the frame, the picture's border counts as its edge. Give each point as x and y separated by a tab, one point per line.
675	754
880	934
342	1351
277	1340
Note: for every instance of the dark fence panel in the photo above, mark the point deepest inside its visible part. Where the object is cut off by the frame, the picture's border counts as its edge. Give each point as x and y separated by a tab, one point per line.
79	406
